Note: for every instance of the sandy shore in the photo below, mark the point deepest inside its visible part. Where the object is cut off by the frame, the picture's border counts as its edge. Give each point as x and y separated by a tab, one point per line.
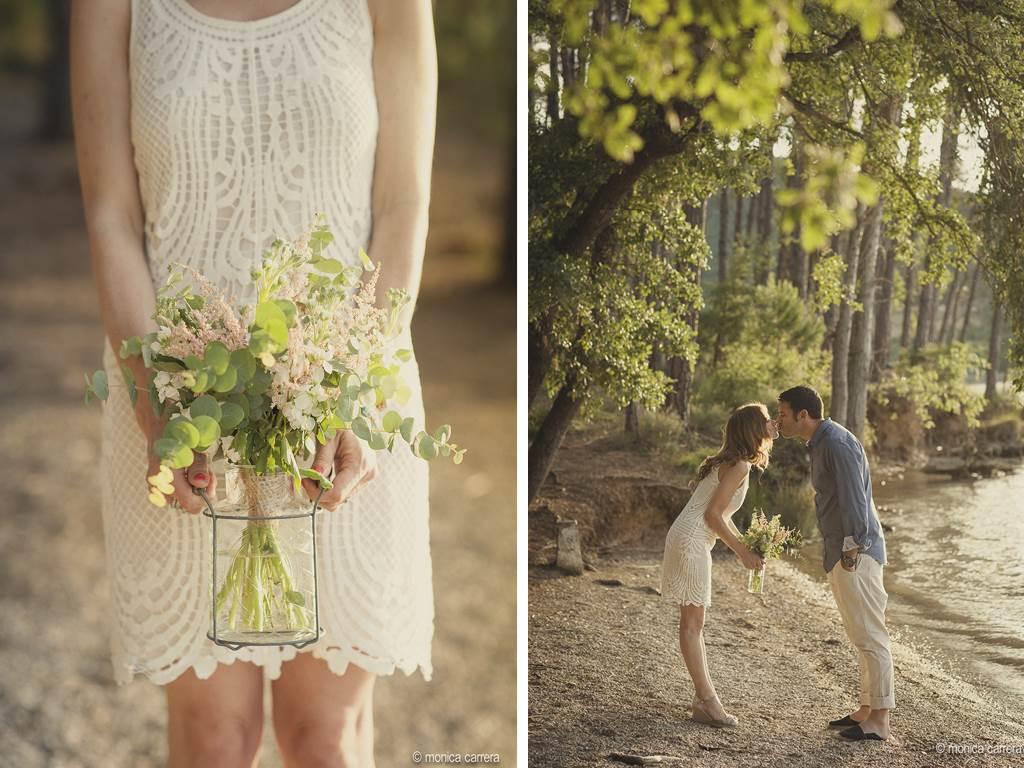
606	677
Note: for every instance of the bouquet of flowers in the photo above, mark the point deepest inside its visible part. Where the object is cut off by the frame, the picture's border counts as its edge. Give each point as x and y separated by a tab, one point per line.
769	539
263	383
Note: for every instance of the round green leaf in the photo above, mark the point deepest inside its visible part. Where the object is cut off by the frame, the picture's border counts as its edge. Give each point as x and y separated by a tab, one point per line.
361	428
407	427
226	381
377	441
427	447
231	415
176	454
244	362
217	357
209	431
392	421
205	406
183	431
346	409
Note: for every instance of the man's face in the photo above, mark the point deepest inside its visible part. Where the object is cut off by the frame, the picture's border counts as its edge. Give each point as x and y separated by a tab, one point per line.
786	420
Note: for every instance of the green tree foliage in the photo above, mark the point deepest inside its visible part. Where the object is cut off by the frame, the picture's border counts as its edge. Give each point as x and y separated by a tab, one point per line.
770	340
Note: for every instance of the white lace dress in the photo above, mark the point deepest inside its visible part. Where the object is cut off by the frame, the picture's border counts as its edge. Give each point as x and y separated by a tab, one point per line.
686	565
242	131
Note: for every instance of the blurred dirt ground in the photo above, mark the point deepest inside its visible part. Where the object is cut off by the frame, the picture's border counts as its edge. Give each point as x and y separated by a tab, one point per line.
59	705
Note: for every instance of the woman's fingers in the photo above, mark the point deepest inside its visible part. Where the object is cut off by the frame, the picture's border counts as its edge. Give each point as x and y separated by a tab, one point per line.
322	463
196	476
356	464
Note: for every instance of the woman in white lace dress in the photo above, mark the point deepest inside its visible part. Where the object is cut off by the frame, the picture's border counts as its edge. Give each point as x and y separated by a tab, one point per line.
205	128
721	487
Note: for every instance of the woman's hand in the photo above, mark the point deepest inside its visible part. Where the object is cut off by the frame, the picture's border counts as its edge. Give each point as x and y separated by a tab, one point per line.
198	475
751	561
355	465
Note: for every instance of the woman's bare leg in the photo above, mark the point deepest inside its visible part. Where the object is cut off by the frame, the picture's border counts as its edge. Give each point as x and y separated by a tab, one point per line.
691	631
216	722
691	644
323	719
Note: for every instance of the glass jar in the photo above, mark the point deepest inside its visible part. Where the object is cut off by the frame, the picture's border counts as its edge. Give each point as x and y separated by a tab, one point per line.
755	579
264	575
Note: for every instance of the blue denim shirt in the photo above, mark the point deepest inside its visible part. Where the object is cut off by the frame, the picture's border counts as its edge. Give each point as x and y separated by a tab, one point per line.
842	494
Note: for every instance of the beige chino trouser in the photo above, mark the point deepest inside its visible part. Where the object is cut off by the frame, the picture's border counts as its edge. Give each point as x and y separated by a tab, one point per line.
861	599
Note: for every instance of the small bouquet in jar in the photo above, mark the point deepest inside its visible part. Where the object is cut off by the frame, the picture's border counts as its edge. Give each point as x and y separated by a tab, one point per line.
769	539
262	384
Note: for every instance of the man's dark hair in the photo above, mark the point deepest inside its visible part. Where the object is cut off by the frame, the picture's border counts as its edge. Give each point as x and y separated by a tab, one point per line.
803	399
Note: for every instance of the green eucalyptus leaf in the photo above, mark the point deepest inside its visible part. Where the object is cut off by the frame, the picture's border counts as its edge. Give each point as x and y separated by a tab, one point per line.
288	309
231	415
217	357
226	381
183	431
174	452
426	447
407	427
244	363
209	431
99	385
361	428
205	406
392	421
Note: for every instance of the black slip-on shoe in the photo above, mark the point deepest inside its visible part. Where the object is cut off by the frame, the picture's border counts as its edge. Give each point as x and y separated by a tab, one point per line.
843	722
857	734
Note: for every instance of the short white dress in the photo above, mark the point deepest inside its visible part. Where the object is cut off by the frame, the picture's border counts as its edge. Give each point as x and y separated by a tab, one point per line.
242	131
686	565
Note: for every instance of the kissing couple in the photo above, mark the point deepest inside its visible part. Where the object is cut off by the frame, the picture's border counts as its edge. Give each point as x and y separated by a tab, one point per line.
854	548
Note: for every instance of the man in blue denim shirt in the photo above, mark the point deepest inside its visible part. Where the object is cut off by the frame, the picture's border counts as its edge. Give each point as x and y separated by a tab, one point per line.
853	541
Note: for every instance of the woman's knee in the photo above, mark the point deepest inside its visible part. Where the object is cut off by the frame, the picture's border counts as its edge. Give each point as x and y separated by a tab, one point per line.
691	623
337	740
224	741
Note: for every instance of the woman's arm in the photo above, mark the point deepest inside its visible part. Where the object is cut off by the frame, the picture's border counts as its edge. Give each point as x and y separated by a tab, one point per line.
405	79
730	477
100	100
110	190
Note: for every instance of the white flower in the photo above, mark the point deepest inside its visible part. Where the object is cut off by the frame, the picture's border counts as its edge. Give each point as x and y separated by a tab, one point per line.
229	453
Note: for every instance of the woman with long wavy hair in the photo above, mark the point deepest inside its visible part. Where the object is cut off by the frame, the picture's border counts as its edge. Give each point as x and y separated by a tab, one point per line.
719	490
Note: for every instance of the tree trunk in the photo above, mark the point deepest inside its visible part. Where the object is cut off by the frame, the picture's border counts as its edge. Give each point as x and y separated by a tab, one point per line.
948	306
970	303
841	343
723	236
681	368
883	329
538	358
947	170
910	278
992	375
863	332
553	90
633	419
737	227
764	229
548	439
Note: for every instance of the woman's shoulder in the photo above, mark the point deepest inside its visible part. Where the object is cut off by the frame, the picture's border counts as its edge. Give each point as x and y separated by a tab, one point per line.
734	471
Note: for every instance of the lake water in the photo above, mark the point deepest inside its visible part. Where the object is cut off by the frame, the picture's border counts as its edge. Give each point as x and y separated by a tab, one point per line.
956	569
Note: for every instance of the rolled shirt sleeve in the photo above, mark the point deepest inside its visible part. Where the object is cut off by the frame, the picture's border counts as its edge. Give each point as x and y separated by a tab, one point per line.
854	506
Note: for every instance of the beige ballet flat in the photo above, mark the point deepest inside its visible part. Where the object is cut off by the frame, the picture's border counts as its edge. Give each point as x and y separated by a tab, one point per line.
700	715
